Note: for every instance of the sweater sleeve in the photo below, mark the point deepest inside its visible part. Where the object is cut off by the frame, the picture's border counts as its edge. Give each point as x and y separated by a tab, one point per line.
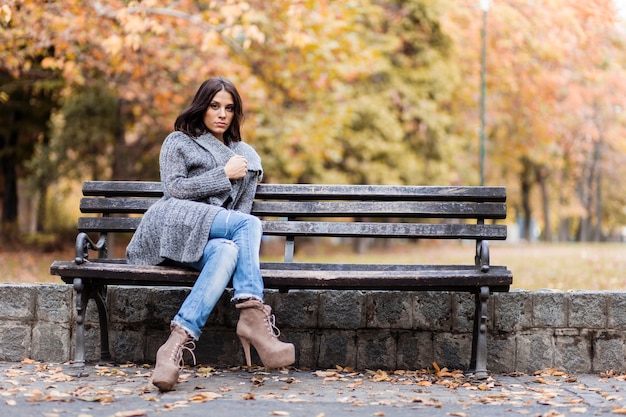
185	174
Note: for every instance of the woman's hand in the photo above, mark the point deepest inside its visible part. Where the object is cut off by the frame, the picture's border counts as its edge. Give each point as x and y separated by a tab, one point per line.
236	167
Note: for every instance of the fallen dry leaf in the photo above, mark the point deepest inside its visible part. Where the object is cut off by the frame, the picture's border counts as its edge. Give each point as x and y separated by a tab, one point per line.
279	413
131	413
578	410
201	397
457	414
11	402
249	396
621	411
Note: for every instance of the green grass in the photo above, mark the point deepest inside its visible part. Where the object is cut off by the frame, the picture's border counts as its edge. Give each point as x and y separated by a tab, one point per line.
575	266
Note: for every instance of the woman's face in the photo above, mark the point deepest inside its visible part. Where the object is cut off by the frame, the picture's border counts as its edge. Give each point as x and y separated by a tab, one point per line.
219	115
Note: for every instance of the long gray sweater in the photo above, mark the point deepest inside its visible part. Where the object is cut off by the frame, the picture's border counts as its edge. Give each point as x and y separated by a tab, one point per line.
195	188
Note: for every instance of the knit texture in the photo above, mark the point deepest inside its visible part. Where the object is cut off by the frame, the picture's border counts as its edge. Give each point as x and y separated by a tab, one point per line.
195	188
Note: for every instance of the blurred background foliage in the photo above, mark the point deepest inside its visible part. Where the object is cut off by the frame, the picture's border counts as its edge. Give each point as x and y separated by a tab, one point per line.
353	91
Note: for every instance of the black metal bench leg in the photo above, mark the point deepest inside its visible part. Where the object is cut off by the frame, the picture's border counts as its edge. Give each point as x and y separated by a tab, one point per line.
103	317
478	362
78	367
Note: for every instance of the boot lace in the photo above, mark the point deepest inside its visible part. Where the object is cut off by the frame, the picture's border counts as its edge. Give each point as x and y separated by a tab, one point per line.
271	325
179	350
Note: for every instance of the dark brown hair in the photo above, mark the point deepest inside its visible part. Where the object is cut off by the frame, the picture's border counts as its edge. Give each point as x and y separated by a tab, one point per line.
191	120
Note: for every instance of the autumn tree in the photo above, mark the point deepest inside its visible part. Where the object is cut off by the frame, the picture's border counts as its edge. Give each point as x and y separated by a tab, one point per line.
549	67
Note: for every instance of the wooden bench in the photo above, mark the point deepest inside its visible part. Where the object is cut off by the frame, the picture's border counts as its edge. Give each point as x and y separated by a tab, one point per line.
298	210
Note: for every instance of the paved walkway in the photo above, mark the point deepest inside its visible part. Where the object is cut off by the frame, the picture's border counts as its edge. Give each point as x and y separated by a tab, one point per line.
45	390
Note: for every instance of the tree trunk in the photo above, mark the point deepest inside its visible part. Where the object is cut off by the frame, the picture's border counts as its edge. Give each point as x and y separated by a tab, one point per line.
597	232
541	173
121	155
8	165
526	186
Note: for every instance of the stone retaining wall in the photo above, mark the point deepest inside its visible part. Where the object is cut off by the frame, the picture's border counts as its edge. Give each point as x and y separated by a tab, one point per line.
578	332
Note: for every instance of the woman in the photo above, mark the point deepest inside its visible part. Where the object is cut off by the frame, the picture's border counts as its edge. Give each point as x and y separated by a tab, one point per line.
209	178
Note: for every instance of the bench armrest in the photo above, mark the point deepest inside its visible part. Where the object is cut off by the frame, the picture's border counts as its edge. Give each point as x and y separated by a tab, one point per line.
84	244
482	255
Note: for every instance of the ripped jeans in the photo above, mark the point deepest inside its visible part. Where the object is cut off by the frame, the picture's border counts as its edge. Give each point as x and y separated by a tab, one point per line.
232	251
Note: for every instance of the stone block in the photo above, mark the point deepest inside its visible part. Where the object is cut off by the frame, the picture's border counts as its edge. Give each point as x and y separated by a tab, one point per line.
92	343
609	351
616	305
432	311
572	353
389	309
127	304
154	340
550	308
91	312
218	347
163	303
341	310
15	341
536	349
463	308
415	350
127	345
307	349
51	342
54	303
337	347
513	311
376	349
224	313
18	301
295	309
453	350
588	310
500	353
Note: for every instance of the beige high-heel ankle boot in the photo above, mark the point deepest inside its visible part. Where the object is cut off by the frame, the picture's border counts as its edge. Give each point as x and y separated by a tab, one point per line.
169	359
256	327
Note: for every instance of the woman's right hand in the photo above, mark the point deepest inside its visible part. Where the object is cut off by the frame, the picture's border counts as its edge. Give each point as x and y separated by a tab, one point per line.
236	167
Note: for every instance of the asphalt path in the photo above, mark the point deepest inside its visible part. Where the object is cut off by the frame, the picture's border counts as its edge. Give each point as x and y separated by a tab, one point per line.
46	390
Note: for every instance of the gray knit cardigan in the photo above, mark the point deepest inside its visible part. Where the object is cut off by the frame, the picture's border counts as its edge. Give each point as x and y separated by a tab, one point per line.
195	188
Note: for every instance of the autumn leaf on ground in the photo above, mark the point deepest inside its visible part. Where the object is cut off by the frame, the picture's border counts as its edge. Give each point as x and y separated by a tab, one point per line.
131	413
201	397
380	376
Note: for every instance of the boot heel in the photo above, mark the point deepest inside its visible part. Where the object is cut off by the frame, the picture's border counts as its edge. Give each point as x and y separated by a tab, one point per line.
246	350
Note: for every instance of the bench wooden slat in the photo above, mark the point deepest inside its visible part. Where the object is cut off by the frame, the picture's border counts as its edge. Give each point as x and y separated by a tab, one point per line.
122	188
316	191
108	224
341	229
306	276
381	209
291	192
386	230
322	209
116	205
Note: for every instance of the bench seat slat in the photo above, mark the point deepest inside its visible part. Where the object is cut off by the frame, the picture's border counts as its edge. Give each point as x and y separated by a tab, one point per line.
380	209
341	276
386	230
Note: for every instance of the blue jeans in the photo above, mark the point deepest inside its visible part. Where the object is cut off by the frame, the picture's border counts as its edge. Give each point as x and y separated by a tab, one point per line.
233	246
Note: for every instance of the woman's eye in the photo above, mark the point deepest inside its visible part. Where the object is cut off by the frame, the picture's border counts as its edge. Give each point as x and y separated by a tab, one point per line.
230	109
215	106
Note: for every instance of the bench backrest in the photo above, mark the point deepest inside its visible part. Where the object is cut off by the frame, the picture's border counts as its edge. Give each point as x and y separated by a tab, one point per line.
291	210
